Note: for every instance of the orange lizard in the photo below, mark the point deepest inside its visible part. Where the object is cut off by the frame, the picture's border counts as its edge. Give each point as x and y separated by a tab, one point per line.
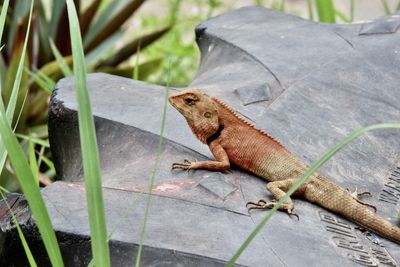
232	140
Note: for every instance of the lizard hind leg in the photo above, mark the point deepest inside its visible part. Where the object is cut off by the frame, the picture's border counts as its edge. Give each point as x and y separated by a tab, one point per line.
278	190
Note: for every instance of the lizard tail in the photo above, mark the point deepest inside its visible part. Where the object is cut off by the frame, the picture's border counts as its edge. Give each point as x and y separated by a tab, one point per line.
342	202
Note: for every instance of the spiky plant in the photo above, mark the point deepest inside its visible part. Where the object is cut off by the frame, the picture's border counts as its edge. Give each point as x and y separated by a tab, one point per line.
49	58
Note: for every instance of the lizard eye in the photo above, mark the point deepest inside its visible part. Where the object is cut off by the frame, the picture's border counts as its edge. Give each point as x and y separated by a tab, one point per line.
207	115
189	101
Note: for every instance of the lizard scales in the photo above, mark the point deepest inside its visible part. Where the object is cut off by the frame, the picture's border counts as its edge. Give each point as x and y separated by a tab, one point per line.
231	139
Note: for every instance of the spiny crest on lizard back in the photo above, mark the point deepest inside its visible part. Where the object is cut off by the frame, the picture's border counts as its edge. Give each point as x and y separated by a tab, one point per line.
199	110
201	113
234	113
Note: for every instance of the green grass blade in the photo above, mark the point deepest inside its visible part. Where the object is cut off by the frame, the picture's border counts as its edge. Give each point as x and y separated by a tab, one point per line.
90	154
34	140
325	10
136	68
121	220
14	94
352	7
314	167
40	155
103	50
342	16
310	10
49	163
107	11
282	6
27	250
152	177
56	11
60	60
386	7
114	23
44	84
3	150
3	17
30	189
32	161
4	190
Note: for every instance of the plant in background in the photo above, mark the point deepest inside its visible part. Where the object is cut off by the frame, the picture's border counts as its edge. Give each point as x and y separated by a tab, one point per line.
48	59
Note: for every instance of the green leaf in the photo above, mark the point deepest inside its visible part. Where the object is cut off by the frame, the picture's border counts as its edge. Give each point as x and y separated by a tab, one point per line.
60	59
87	16
115	23
21	167
12	101
48	162
90	154
32	161
386	7
103	50
152	176
46	85
107	12
352	4
34	140
313	168
25	245
43	30
121	219
310	10
342	16
19	20
3	17
326	10
53	70
57	9
30	189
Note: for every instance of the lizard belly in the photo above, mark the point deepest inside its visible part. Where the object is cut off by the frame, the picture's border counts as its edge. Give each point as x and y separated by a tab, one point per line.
263	158
279	166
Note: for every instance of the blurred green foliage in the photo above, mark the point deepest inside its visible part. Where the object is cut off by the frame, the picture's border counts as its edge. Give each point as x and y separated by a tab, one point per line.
48	59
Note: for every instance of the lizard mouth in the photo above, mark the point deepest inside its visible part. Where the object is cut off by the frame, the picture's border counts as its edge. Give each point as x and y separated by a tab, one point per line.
172	102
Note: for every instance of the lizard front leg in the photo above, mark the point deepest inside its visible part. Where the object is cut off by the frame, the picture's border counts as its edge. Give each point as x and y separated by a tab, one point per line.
220	164
278	189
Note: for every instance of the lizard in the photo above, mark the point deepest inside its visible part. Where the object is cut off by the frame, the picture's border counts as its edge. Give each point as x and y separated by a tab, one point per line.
233	140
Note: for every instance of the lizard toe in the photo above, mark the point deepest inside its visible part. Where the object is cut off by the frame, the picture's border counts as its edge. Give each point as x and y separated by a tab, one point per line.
260	205
293	215
355	194
182	166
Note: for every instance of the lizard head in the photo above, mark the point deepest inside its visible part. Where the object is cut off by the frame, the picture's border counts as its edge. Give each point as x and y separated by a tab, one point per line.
199	110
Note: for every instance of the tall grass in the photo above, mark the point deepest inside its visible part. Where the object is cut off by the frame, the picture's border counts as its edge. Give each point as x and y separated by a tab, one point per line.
21	236
22	169
90	154
325	10
313	168
152	177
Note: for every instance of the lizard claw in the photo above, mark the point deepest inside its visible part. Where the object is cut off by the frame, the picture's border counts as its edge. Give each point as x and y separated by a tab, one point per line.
185	165
356	196
295	215
262	205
